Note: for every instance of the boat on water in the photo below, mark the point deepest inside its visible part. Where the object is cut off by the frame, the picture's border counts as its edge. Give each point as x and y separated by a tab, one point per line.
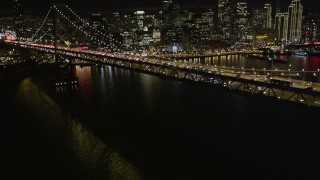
301	53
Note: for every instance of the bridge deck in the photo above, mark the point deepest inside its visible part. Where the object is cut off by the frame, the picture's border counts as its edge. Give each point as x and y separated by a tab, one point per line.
230	77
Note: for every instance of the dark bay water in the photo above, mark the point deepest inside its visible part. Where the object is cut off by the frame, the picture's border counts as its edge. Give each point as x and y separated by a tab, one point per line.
120	124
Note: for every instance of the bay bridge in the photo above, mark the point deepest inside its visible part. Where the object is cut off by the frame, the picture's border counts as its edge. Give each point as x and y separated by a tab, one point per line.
280	84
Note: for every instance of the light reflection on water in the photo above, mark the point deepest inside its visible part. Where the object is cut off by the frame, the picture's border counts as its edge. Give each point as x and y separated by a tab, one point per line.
298	63
95	157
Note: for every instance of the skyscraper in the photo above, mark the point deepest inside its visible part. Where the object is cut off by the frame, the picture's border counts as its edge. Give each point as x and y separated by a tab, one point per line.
258	19
295	21
239	17
138	20
221	12
99	30
18	19
224	17
268	16
281	26
311	28
233	19
168	14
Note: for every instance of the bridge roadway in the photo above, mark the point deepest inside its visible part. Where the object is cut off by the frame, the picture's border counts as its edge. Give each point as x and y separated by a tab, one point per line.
254	81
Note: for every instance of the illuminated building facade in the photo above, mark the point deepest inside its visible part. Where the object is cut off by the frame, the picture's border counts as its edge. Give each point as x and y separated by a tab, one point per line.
311	28
139	17
18	19
239	23
168	14
258	18
100	31
281	26
224	18
268	16
295	21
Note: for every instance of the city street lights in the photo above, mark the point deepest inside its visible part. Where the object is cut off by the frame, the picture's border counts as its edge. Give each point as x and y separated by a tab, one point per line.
270	59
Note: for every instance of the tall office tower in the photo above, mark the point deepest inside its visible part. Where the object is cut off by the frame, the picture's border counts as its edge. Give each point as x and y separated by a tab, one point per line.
311	28
258	18
100	30
307	29
268	14
116	22
295	21
239	20
281	26
18	19
167	14
220	14
224	17
138	20
317	27
171	17
208	17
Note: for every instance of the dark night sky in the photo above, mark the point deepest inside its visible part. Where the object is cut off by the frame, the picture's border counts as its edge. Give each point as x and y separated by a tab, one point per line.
102	5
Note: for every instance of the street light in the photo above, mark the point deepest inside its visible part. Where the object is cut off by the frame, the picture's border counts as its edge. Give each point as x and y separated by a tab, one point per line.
270	59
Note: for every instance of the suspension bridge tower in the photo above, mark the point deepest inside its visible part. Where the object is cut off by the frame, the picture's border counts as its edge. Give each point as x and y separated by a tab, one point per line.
61	34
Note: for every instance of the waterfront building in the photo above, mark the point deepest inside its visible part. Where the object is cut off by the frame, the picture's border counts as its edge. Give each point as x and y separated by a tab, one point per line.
281	27
311	28
295	21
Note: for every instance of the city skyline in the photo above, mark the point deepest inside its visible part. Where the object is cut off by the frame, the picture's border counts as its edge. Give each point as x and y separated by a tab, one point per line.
232	22
29	5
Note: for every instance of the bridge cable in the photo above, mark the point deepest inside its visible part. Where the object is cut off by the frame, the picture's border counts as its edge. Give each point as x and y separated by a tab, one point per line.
101	33
46	18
